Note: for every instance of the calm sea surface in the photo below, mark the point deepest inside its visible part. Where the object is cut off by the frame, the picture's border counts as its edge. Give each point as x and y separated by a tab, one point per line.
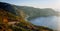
50	21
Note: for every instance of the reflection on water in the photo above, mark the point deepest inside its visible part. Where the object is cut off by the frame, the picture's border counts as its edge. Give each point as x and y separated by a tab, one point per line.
50	21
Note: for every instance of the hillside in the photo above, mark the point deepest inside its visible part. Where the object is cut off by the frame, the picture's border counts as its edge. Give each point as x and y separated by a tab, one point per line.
21	26
25	26
36	12
10	15
31	12
7	7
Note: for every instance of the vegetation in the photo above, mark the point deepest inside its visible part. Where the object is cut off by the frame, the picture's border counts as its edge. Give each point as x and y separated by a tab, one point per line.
36	12
28	27
22	24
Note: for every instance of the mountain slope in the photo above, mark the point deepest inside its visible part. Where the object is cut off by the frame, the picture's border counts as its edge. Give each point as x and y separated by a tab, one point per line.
7	7
21	26
36	12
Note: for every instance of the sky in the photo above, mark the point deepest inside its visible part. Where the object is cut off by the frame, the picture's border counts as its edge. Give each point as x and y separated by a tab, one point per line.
55	4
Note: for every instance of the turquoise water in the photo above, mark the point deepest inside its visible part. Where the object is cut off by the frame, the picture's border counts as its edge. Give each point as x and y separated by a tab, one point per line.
50	21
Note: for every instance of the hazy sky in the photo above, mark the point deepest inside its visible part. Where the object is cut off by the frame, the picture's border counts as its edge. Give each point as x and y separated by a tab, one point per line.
36	3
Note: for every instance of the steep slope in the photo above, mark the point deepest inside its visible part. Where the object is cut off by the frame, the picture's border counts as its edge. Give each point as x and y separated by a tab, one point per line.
7	7
25	26
21	26
36	12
